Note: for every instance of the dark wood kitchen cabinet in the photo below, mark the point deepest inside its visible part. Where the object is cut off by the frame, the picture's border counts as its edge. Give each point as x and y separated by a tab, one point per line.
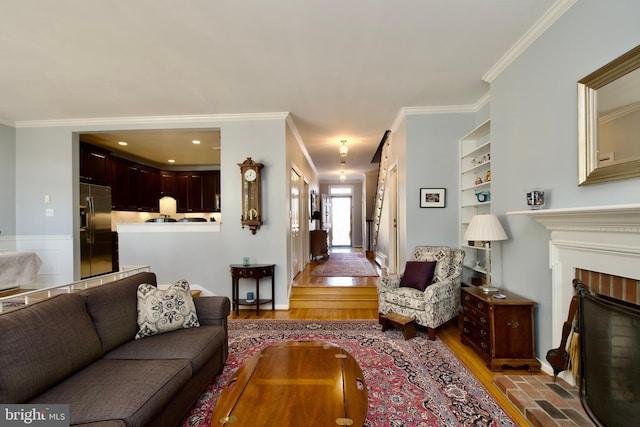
501	330
134	187
167	184
94	164
197	191
211	191
147	184
119	180
189	192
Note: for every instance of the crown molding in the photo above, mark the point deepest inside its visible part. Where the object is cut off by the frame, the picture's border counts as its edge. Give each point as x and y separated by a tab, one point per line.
145	120
551	16
300	141
6	122
442	109
484	100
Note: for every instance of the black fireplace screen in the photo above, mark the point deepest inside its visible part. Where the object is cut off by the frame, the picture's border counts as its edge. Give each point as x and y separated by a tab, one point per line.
610	358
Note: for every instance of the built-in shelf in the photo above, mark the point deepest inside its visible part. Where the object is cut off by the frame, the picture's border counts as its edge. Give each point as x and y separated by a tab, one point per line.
475	165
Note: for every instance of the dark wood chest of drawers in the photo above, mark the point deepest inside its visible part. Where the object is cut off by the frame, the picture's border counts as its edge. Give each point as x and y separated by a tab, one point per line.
318	244
500	330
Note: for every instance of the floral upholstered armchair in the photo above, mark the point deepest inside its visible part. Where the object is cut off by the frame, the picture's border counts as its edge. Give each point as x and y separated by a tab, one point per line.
434	305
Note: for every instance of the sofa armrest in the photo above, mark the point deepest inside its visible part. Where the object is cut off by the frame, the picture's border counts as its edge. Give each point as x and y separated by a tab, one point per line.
213	310
443	290
388	283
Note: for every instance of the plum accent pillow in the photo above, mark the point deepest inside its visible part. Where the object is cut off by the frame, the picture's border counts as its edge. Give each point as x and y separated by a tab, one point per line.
161	311
418	274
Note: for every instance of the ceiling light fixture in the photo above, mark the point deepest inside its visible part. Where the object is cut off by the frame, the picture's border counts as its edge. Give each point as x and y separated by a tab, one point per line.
343	148
195	141
122	143
342	176
171	161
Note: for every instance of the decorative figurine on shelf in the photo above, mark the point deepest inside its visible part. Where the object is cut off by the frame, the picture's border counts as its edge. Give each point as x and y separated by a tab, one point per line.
488	177
478	180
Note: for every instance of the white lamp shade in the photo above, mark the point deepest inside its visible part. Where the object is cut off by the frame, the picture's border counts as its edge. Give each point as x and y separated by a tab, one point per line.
485	228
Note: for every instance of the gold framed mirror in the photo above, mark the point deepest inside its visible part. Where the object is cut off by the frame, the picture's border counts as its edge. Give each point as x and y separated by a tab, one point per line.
609	121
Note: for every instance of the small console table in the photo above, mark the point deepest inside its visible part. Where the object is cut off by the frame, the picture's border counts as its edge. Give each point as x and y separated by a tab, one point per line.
501	330
251	271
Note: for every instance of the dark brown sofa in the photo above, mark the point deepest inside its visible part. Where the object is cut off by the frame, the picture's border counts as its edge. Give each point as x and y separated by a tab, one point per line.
79	349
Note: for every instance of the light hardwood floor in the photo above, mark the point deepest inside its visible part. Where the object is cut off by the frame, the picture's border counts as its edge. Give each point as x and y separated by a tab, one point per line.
449	333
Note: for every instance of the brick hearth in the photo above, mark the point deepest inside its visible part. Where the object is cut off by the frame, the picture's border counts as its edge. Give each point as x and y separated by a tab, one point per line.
543	402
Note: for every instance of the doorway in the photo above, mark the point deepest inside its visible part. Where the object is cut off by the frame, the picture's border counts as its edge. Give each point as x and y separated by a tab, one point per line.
341	233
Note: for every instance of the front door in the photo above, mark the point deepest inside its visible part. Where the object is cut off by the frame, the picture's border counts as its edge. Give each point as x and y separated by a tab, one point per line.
341	221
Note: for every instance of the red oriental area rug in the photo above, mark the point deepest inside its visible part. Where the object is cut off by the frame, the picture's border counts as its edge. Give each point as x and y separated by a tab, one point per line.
412	383
350	264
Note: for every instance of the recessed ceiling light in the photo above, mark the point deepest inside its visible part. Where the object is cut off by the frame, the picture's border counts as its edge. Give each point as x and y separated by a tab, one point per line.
122	143
171	161
195	141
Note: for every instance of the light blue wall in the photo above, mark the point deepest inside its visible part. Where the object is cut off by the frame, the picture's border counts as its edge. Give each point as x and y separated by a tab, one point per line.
7	181
432	162
47	164
534	134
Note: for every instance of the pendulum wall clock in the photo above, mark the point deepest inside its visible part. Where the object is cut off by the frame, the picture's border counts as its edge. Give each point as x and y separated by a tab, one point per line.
251	198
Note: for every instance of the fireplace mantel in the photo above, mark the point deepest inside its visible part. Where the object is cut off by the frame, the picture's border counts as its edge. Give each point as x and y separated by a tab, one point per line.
613	218
604	239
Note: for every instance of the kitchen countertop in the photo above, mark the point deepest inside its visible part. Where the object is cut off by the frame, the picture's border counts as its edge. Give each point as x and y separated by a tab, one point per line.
168	227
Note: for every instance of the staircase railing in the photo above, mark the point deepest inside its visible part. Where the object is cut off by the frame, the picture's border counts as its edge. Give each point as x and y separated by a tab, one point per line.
382	157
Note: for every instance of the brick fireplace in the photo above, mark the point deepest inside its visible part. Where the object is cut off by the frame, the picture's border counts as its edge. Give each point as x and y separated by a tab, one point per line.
616	287
599	245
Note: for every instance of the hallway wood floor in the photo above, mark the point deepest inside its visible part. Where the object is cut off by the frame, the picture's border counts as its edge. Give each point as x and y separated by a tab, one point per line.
449	333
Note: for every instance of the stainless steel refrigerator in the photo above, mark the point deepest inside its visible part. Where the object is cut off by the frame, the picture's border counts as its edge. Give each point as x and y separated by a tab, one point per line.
95	230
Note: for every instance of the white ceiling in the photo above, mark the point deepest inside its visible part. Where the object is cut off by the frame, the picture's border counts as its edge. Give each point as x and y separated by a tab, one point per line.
343	68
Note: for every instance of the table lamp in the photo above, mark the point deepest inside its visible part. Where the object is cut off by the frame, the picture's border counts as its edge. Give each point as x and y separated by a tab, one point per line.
486	228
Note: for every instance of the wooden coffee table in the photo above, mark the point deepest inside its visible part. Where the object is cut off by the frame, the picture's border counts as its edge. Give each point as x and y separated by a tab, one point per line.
295	383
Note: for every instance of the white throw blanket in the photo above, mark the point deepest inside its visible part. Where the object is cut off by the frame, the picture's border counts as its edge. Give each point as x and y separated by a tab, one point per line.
18	268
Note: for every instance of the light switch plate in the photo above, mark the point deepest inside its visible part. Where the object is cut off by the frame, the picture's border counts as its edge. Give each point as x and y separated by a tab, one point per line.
48	212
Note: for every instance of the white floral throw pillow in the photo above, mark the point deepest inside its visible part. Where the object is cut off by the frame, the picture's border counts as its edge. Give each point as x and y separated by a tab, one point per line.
161	311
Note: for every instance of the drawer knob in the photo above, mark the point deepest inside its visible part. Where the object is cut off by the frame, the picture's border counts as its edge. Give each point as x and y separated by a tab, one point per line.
483	332
513	324
480	306
466	298
483	320
466	319
484	345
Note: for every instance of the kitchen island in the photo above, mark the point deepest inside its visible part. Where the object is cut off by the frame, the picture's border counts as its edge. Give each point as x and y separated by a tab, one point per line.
193	251
168	227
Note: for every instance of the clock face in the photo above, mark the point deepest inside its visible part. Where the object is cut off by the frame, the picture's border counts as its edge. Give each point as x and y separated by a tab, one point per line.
250	175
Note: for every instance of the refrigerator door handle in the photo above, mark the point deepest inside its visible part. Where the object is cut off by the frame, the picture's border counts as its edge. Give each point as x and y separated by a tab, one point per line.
91	220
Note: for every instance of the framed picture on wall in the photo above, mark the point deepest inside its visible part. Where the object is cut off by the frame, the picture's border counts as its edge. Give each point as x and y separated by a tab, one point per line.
432	197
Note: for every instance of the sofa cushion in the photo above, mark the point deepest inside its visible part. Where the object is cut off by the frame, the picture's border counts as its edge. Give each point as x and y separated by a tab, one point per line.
42	344
113	308
196	345
418	274
150	385
161	311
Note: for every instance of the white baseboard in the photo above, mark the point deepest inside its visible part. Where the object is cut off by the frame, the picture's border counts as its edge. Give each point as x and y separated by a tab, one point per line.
381	259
